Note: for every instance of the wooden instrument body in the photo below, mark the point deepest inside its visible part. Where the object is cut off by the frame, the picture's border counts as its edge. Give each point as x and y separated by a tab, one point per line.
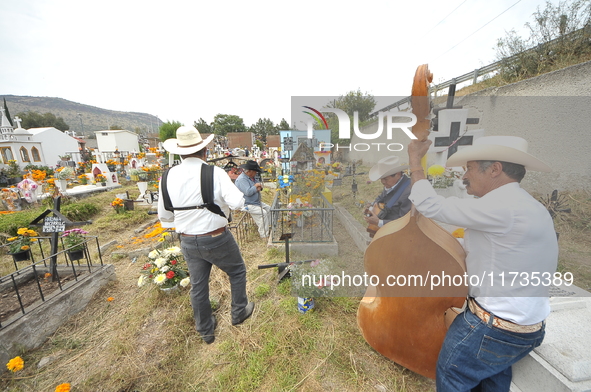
375	210
406	323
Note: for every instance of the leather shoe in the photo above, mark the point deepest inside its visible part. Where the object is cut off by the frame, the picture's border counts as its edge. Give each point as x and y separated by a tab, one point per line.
248	309
209	339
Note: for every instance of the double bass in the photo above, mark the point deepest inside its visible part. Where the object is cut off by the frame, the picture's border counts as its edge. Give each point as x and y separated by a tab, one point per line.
406	323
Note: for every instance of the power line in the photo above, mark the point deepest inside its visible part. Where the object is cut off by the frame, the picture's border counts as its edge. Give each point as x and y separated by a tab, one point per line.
449	50
441	21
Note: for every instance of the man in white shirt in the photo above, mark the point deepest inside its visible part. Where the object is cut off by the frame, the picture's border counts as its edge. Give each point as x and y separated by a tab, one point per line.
205	239
508	233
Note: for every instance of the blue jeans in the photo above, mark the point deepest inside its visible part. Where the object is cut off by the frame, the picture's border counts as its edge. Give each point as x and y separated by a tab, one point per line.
223	252
477	357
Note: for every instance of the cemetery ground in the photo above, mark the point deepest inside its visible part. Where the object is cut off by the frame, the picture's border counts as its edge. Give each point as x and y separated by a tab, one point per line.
144	340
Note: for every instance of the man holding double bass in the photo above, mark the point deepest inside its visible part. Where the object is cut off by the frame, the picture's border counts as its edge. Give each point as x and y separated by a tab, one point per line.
508	233
393	202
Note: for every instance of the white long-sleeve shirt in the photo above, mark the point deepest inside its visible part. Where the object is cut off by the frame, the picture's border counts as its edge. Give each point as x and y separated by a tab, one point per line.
507	232
184	189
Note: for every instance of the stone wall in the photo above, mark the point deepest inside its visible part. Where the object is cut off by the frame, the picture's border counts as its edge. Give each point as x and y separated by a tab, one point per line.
552	112
32	329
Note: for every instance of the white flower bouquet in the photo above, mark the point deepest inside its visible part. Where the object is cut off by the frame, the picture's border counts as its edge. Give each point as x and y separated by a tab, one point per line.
165	268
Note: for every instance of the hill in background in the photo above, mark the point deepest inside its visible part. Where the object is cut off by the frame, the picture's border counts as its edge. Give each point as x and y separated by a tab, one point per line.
93	118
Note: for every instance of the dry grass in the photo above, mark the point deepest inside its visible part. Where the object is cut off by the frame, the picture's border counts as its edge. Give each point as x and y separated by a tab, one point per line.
145	340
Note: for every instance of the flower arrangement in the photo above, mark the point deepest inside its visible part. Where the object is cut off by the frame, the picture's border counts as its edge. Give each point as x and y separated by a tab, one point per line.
311	280
38	175
441	177
65	173
22	242
65	157
74	240
83	179
165	268
118	204
100	178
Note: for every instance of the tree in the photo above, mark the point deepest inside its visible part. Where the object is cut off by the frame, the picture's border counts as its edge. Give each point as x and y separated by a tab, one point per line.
37	120
559	36
7	113
353	101
224	123
203	127
115	127
283	125
263	127
168	130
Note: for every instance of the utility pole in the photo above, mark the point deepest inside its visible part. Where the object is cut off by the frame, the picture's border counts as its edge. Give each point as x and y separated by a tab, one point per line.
81	125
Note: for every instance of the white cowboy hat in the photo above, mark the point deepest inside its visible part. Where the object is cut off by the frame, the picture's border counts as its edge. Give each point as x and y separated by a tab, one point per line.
512	149
386	167
188	140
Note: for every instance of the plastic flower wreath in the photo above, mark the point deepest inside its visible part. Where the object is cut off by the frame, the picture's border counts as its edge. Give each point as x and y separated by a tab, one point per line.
74	240
165	268
15	364
22	242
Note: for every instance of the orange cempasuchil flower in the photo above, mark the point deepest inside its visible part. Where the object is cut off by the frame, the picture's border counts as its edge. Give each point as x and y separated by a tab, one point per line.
15	364
65	387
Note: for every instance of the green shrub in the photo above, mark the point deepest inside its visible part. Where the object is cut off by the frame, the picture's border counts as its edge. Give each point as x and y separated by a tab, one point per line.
78	212
10	223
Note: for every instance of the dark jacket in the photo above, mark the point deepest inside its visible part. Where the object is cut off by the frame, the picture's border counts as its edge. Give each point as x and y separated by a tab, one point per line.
399	208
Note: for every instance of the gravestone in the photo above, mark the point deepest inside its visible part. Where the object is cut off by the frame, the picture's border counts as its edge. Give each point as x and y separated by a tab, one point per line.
563	361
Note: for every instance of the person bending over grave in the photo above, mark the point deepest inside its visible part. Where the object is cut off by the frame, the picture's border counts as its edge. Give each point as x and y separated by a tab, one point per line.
507	233
197	207
249	184
393	202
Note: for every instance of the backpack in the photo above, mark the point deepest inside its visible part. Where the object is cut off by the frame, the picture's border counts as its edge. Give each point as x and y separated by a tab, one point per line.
206	193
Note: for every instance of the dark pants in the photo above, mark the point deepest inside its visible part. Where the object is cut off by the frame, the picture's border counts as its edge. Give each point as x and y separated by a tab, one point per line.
477	357
223	252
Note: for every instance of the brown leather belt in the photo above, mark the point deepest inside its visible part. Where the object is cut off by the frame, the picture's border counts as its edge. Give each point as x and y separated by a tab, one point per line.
501	323
214	233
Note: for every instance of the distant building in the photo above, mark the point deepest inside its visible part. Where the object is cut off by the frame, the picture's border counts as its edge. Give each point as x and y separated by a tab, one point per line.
36	146
122	141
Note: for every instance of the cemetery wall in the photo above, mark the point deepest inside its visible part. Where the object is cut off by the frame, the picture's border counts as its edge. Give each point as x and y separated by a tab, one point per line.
550	111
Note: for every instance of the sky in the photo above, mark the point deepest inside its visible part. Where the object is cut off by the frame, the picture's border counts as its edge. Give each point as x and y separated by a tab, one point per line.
184	60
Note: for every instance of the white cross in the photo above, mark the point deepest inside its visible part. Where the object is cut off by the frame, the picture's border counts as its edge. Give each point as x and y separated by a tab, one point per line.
18	120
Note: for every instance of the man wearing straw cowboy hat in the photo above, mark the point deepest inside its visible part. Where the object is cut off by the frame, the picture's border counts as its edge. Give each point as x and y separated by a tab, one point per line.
248	185
508	233
205	239
393	202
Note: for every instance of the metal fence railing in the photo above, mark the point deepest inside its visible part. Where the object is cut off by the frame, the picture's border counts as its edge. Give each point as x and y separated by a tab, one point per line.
306	224
243	227
69	267
487	69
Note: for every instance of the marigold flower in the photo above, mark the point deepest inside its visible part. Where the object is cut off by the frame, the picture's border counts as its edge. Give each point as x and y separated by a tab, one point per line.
110	299
15	364
458	233
65	387
436	171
